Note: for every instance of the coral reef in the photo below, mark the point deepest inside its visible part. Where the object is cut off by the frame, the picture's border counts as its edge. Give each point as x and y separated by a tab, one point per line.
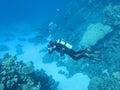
72	22
110	53
112	15
104	83
16	75
109	48
116	75
28	68
94	33
104	36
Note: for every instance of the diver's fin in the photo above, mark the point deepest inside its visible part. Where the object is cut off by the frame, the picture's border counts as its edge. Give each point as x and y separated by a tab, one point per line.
88	50
96	59
87	54
96	52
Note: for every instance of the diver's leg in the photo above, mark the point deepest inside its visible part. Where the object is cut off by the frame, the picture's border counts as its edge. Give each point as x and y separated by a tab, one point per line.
87	50
85	55
72	52
80	51
92	57
77	57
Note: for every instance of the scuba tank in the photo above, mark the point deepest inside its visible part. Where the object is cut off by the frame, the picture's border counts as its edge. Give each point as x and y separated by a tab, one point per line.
62	42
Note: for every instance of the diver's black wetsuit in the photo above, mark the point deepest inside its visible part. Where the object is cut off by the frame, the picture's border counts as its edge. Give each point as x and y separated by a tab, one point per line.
54	46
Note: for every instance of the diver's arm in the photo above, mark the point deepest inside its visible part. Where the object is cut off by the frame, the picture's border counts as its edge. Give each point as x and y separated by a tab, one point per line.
50	50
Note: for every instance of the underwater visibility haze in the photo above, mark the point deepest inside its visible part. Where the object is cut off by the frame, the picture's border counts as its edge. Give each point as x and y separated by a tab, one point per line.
31	60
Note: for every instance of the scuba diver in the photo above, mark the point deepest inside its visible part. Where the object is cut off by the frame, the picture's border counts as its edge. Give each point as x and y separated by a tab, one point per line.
65	48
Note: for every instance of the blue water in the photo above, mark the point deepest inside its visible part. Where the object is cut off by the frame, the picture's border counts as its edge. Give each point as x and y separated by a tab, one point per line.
27	26
29	11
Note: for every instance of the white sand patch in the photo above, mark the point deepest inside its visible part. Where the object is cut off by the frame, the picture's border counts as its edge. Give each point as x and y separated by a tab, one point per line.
77	82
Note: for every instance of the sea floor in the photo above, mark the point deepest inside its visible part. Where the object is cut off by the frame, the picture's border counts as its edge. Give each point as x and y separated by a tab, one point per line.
21	42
